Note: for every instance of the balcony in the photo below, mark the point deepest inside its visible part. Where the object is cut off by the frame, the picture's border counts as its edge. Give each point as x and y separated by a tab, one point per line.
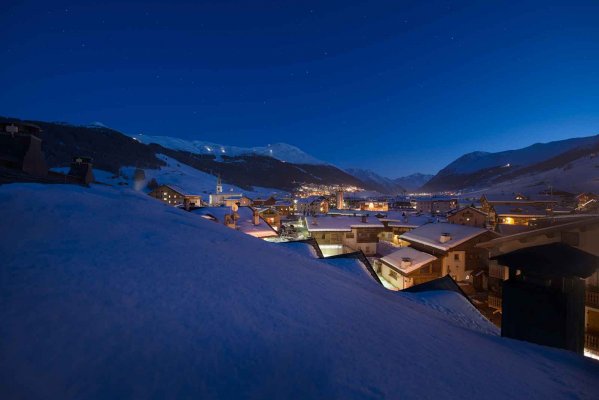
591	342
494	301
592	297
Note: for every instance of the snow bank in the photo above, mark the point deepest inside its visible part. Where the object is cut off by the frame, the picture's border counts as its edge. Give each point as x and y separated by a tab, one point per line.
107	293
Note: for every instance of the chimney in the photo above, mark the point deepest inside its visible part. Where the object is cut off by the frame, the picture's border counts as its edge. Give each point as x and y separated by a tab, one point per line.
406	262
364	218
445	237
340	202
256	218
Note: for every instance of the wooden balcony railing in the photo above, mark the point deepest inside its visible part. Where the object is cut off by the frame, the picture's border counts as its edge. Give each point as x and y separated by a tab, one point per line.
591	341
592	298
494	301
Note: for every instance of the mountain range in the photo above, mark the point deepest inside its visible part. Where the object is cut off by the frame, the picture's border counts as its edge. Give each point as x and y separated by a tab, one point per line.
568	165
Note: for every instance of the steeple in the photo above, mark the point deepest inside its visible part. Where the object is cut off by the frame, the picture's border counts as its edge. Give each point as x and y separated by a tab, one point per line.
219	185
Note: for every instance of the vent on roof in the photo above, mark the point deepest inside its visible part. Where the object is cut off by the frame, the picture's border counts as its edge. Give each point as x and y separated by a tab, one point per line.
445	237
406	262
364	218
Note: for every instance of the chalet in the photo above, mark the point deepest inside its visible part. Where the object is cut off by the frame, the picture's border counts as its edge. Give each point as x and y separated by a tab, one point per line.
468	216
260	202
312	205
342	234
407	267
454	246
436	205
238	199
176	196
284	208
396	224
515	208
520	214
403	205
374	205
21	148
219	199
271	216
245	219
579	233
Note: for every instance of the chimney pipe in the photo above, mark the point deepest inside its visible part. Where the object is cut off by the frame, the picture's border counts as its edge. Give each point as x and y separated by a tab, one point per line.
256	218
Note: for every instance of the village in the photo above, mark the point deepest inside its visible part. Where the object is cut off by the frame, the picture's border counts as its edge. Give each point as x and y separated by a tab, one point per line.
460	242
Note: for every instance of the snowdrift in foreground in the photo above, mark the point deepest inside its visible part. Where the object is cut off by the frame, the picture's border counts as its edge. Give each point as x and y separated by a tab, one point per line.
108	293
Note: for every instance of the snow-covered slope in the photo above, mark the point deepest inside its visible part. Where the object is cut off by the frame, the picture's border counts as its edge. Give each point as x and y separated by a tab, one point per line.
578	176
175	173
480	169
535	153
413	181
280	151
108	293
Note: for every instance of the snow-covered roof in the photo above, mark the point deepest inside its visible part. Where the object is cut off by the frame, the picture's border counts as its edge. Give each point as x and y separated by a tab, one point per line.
410	221
197	310
469	208
412	260
517	198
355	264
245	222
430	235
180	190
340	223
310	199
307	247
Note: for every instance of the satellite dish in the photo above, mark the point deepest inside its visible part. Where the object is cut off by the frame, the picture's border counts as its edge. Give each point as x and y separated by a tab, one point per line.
234	207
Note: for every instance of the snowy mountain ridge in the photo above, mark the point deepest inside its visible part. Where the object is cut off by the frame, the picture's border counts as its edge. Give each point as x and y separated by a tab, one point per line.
480	170
377	182
477	160
280	151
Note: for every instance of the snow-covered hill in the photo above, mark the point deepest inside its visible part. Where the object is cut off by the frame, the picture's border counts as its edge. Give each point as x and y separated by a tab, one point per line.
535	153
178	174
280	151
108	293
480	169
577	176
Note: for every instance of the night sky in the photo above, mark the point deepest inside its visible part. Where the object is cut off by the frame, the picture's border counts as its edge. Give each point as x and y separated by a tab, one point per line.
396	87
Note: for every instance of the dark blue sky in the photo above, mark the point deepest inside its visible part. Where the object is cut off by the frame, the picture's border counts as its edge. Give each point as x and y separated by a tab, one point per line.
396	87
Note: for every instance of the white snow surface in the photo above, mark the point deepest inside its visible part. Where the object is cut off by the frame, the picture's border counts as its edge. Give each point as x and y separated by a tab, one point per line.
280	151
108	293
179	174
535	153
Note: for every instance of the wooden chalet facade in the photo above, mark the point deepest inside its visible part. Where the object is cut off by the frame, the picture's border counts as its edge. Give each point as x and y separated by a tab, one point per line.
175	196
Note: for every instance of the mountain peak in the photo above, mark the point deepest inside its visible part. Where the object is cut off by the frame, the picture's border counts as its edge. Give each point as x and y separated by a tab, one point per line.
280	151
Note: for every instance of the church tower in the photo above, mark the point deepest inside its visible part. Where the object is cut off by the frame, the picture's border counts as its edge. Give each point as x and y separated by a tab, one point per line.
219	185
